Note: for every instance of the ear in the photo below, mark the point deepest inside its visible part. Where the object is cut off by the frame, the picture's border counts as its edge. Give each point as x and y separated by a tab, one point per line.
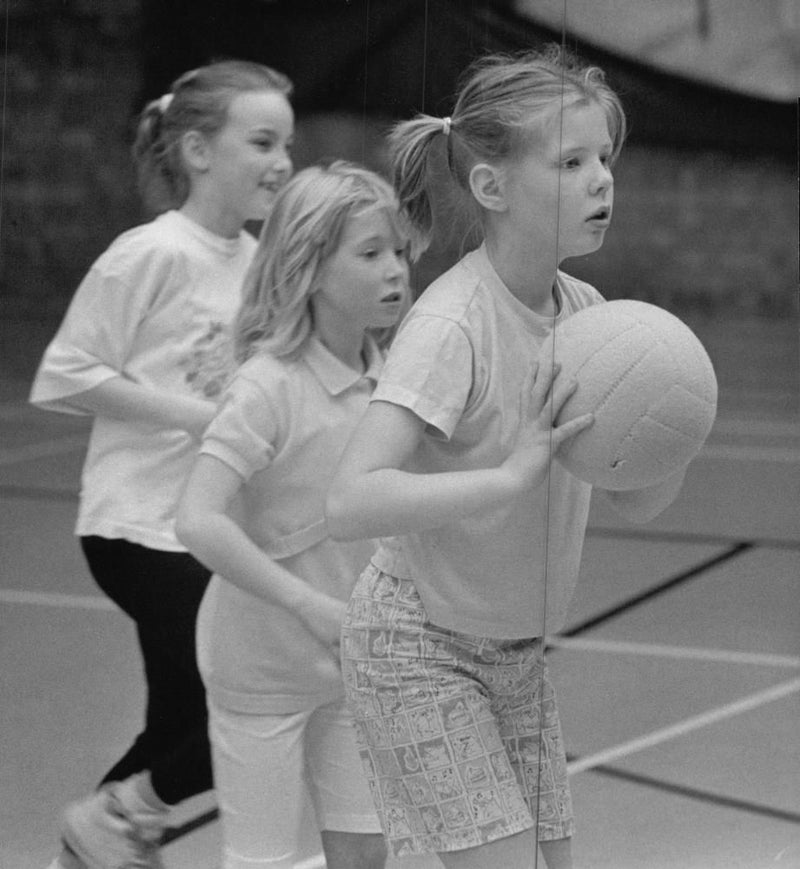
195	150
486	184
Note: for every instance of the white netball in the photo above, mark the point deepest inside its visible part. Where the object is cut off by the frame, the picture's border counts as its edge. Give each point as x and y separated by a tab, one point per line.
650	384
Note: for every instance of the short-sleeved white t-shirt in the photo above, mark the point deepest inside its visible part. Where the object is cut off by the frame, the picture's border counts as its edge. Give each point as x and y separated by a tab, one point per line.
282	427
459	363
156	308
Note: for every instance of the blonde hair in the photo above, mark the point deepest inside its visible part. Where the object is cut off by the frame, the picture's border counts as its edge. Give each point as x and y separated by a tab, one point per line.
504	100
303	229
197	100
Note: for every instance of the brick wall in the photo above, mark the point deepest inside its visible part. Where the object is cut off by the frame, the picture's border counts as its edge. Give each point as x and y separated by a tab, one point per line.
71	79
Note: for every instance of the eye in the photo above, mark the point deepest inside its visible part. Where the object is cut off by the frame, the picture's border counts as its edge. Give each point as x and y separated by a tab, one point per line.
571	163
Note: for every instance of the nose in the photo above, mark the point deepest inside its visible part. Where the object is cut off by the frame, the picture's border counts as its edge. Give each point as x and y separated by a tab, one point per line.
284	162
602	179
396	265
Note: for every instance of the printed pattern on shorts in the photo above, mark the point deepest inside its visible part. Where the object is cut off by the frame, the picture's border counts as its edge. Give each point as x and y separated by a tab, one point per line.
448	726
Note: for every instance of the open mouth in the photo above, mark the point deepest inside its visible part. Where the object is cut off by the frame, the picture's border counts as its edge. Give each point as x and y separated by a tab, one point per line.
602	213
392	298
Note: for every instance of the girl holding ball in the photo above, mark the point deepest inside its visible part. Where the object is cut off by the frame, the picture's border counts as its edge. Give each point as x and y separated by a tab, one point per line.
443	644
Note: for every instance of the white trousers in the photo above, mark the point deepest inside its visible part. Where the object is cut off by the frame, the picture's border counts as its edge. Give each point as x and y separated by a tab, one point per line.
267	768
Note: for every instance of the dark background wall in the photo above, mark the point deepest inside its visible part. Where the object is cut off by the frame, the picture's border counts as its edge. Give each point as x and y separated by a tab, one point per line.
705	223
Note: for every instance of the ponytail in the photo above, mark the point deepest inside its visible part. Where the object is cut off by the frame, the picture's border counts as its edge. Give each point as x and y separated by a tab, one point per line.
411	144
159	185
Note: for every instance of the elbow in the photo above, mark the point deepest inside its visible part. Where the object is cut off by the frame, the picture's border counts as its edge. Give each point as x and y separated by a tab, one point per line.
639	515
637	511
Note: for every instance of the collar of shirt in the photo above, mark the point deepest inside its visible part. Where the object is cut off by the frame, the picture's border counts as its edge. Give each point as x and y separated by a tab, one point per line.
333	374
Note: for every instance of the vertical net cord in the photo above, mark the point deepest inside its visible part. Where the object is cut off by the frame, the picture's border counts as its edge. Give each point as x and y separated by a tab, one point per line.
3	113
424	56
364	90
548	478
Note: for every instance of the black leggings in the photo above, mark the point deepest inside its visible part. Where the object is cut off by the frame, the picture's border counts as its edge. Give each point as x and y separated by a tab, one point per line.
161	592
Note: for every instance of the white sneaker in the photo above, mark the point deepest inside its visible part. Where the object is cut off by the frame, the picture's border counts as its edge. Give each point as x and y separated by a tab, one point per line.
98	830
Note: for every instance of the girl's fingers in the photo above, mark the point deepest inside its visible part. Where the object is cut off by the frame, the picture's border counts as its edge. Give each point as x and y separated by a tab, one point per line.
527	391
561	395
569	429
530	381
542	386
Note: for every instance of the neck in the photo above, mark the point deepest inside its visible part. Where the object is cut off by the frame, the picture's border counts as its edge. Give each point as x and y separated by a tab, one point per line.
345	344
529	274
211	218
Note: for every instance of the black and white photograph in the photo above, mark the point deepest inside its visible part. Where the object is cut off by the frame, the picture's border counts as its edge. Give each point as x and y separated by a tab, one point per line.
400	434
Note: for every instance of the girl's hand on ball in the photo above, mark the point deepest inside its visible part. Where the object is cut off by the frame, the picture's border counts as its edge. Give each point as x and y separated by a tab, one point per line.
538	438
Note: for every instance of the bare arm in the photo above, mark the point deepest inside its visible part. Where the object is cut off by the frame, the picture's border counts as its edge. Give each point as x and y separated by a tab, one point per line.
372	496
120	398
204	526
643	505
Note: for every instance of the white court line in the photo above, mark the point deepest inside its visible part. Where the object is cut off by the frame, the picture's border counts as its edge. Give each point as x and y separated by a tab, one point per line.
42	450
782	455
747	426
53	599
723	656
753	701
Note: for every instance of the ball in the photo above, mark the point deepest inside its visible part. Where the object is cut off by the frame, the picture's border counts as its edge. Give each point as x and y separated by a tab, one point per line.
649	383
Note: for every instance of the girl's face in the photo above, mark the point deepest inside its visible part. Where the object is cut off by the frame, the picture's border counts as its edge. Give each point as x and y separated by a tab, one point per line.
364	283
249	157
560	193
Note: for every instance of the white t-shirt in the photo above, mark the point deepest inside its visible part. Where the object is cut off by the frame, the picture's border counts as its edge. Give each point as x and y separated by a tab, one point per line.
156	308
282	426
459	363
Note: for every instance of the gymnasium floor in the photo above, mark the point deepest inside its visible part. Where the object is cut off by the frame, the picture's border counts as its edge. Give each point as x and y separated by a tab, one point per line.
678	675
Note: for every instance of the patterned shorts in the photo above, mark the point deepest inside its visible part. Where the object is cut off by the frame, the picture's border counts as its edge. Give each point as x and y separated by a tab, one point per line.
448	726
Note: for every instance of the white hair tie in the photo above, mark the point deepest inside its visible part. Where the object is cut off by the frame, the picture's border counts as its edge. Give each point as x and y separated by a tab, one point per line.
163	103
446	126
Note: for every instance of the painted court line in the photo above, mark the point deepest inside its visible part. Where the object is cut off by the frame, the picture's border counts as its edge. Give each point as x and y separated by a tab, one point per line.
778	455
741	426
723	656
52	599
42	450
708	797
696	722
